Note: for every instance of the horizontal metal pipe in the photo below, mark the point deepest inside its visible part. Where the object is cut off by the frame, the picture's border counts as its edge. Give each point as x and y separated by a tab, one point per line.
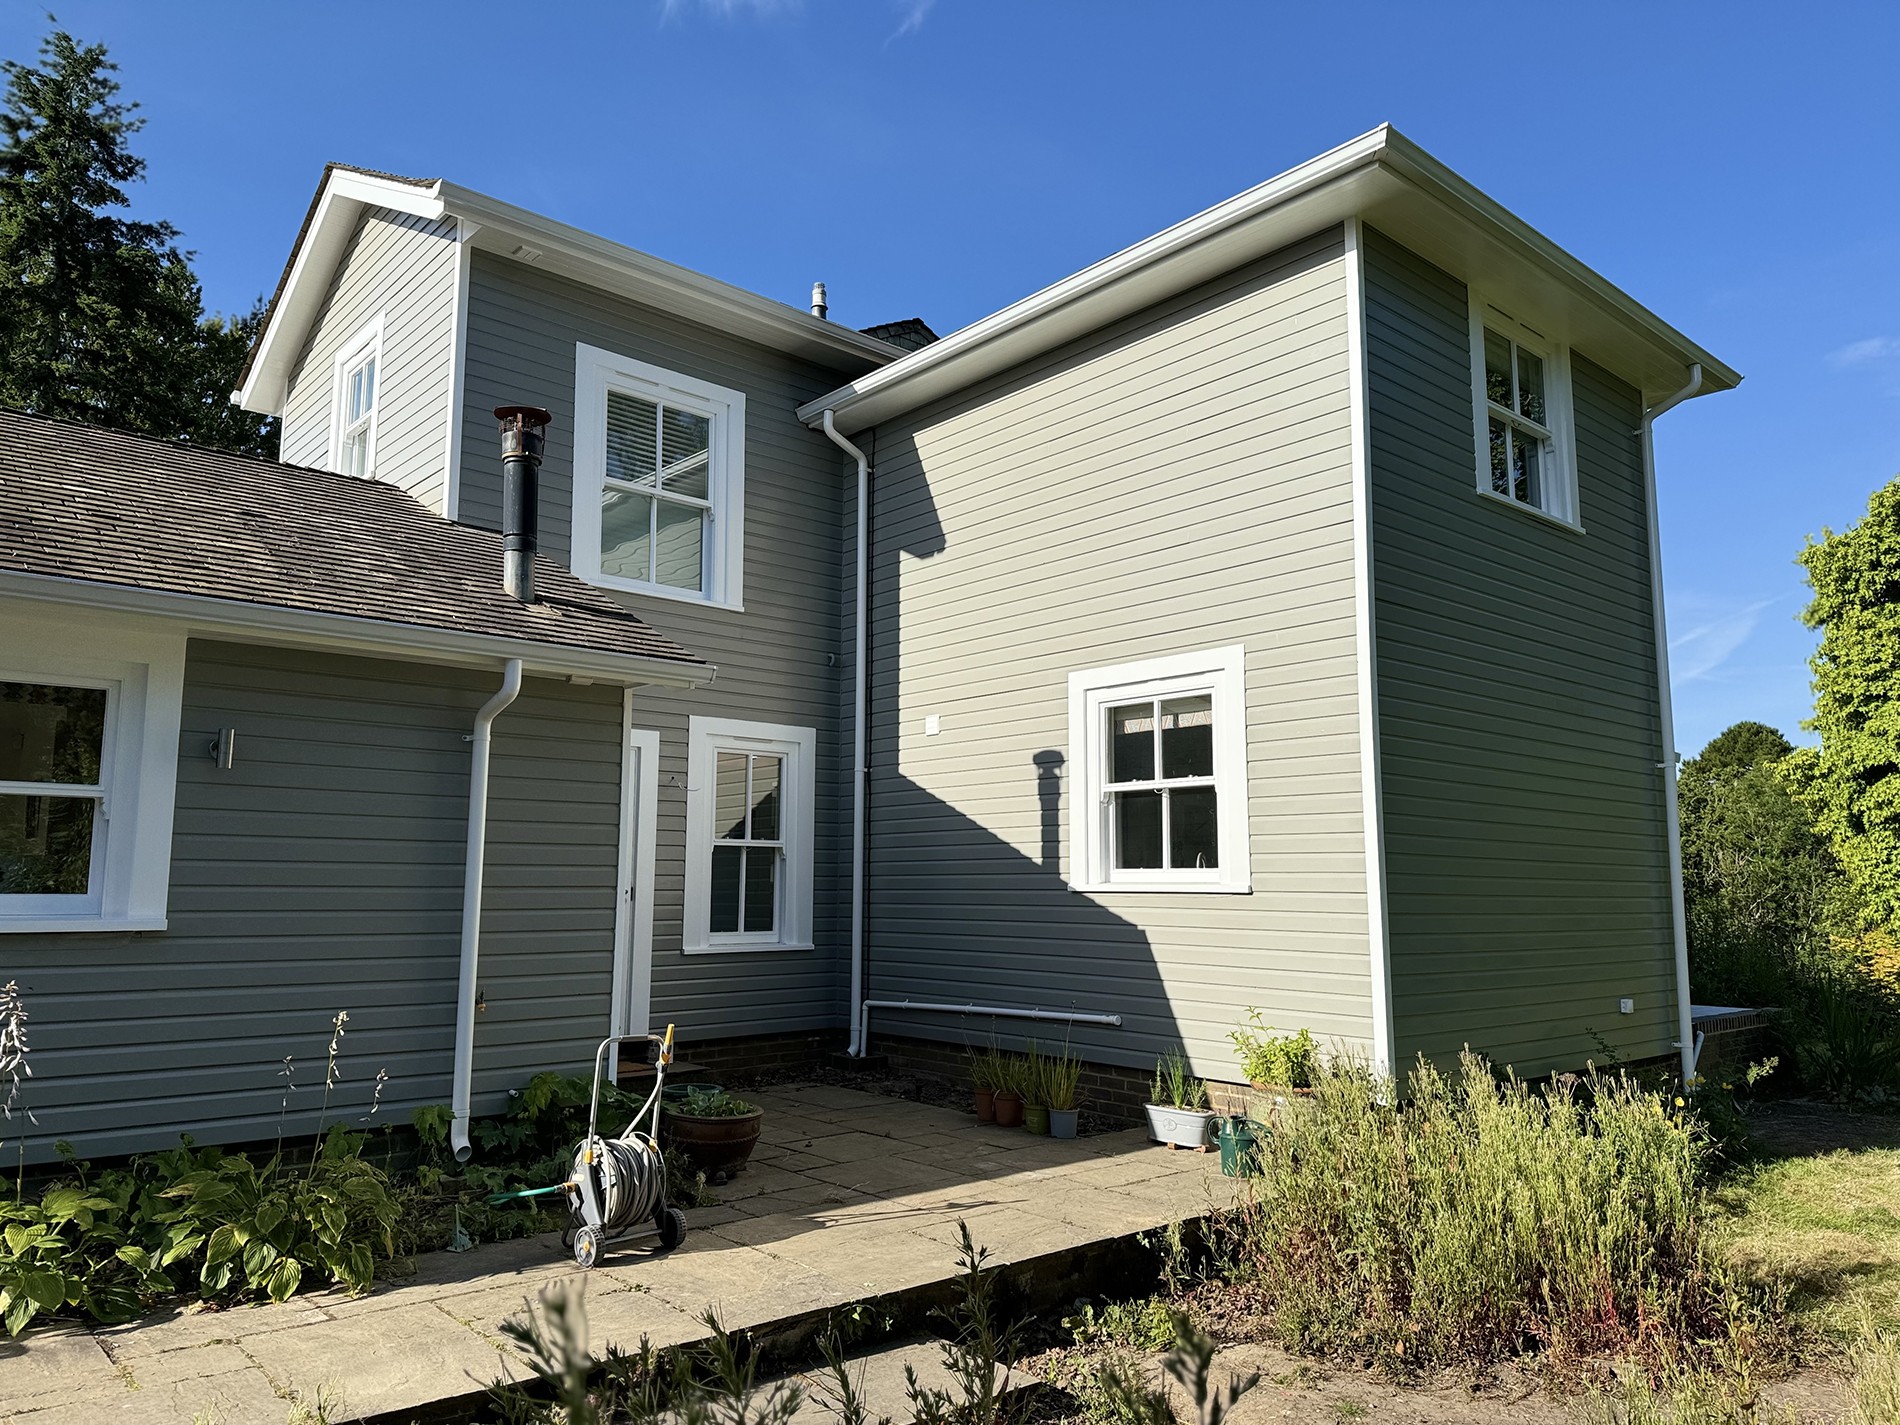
1070	1016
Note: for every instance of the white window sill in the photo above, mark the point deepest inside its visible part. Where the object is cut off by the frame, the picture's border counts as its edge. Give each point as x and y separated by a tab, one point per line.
657	591
1165	888
1573	526
98	925
748	947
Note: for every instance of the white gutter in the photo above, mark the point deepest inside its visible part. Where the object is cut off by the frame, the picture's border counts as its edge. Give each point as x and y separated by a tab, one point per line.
472	903
859	704
1686	1040
861	1029
280	625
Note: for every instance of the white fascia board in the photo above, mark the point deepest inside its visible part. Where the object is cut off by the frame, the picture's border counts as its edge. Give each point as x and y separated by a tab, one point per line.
654	282
1381	173
272	624
344	197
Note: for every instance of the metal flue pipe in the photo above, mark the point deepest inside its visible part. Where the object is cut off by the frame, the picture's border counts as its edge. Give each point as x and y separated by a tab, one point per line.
522	440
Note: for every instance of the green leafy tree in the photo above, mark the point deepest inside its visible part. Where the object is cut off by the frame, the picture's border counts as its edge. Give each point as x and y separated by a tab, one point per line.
1761	888
101	318
1851	782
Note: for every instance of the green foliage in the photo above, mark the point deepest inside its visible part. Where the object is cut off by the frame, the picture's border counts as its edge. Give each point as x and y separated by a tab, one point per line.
1851	783
1761	889
1146	1325
1470	1219
101	319
1281	1060
980	1342
1847	1041
987	1068
70	1250
1175	1085
1741	746
1061	1080
1115	1392
1875	1387
256	1230
707	1102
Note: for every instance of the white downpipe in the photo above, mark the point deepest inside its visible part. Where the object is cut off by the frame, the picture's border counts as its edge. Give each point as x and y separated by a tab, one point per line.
861	1031
859	703
472	902
1687	1040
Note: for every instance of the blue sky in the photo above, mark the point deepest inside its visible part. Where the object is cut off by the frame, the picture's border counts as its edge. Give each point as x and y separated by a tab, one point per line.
1729	165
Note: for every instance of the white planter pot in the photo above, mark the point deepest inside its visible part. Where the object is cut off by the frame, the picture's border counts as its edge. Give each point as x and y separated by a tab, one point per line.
1179	1127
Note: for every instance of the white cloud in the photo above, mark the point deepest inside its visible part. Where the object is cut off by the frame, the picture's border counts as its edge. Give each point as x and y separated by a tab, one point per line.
913	13
1695	652
729	9
1859	353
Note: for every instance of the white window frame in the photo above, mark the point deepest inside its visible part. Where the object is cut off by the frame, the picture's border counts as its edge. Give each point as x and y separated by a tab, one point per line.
1219	672
368	342
596	372
707	737
140	664
1560	445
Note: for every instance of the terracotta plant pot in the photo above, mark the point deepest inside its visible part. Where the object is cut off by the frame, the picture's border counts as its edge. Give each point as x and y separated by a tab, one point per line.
716	1147
985	1105
1062	1122
1009	1109
1036	1118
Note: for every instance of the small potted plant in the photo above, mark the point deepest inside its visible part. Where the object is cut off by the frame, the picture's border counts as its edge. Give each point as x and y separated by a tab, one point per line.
1062	1075
1035	1091
985	1072
712	1130
1278	1065
1179	1115
1009	1091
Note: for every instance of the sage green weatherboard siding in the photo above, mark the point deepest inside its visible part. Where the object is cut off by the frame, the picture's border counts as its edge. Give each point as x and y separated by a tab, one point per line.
1526	865
402	267
1177	482
323	872
777	660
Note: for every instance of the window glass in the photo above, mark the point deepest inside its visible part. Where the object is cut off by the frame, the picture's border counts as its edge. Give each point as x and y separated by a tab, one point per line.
1530	385
1138	831
727	864
1131	743
1500	457
54	736
761	889
686	437
729	806
1193	829
764	798
678	545
1187	737
51	734
626	535
1497	369
632	426
46	845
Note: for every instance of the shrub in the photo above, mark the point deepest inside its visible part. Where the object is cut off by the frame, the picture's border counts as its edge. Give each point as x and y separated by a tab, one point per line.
1478	1219
706	1102
1175	1084
1281	1060
1062	1077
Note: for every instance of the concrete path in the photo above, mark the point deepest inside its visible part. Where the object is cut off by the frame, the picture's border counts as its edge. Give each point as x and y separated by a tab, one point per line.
849	1197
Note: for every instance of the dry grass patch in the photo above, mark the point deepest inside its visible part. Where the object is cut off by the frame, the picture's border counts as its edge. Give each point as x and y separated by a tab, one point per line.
1828	1225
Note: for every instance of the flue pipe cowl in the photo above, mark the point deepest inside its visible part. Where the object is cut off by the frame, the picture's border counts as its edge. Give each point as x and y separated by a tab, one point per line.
522	441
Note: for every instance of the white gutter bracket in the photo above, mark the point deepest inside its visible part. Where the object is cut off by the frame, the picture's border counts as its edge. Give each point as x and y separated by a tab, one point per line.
859	745
481	740
1687	1040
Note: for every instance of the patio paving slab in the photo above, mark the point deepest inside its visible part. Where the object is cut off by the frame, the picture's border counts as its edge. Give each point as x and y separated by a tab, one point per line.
872	1214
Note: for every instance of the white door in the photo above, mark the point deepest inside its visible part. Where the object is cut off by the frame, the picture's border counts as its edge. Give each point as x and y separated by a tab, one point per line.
633	918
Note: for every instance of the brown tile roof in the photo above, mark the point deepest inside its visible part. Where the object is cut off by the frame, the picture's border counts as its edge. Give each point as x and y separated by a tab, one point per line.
103	507
911	333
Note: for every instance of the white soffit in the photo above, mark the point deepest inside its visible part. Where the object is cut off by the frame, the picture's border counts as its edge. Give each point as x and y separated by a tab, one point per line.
1381	177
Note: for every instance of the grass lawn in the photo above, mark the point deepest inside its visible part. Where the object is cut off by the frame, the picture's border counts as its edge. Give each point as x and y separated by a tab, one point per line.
1821	1212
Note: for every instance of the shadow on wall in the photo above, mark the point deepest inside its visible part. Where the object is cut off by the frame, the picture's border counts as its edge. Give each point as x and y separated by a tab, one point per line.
956	912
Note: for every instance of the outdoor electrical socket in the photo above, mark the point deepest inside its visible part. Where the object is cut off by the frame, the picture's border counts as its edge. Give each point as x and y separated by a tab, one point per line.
1626	1006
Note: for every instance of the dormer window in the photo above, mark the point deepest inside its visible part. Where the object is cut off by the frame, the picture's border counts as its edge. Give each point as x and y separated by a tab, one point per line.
659	480
353	421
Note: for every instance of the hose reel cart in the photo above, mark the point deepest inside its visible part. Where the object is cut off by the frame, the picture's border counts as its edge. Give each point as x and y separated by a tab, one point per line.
616	1188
